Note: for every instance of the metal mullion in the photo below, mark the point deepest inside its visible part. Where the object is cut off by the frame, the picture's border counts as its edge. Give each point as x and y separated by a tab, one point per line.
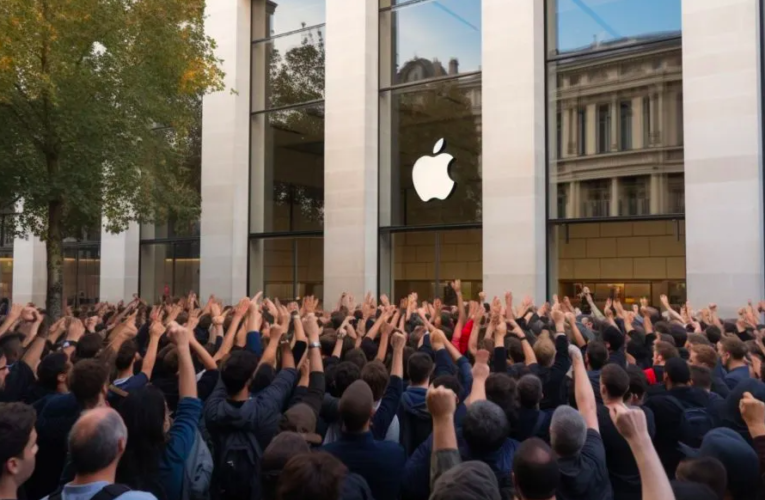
583	53
402	5
289	107
288	33
429	81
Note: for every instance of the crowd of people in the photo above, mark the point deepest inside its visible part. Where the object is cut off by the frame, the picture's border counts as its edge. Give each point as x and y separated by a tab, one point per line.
373	400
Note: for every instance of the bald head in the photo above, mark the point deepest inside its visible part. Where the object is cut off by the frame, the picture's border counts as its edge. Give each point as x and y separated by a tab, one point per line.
97	440
356	406
535	470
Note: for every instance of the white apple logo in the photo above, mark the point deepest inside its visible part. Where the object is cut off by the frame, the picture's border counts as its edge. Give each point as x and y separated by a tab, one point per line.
430	174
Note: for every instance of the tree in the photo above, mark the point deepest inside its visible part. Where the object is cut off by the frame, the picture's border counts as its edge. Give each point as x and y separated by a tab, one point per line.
98	101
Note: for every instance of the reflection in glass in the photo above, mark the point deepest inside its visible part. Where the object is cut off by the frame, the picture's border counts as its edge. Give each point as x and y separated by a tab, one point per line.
288	170
169	269
412	121
6	274
429	39
82	275
292	268
625	260
595	25
621	126
288	70
272	17
427	262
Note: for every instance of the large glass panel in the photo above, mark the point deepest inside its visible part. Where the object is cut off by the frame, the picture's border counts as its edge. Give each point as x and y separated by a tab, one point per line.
598	24
413	122
186	268
279	268
288	70
287	190
82	273
620	116
429	39
414	265
272	17
310	267
156	271
460	256
6	274
625	260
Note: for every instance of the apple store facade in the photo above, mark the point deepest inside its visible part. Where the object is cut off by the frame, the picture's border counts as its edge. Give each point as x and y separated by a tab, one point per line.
535	145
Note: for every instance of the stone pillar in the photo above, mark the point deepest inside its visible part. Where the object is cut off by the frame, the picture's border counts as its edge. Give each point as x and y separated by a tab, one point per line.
614	114
119	264
225	156
351	148
613	205
514	127
30	275
723	155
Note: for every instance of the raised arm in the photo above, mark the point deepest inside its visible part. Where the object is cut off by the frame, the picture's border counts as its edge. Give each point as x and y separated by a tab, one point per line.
13	315
528	351
461	319
631	424
155	333
579	339
228	340
672	313
585	397
480	374
187	380
442	404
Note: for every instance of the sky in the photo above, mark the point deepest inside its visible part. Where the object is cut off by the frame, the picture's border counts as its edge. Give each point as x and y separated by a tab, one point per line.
444	29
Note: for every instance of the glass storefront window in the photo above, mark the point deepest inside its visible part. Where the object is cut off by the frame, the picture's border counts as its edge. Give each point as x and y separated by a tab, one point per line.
6	273
412	122
291	267
624	260
288	69
598	24
615	138
429	39
287	191
82	274
426	262
169	269
273	17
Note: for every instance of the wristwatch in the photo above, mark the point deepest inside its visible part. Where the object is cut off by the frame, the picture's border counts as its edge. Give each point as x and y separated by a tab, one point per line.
70	343
316	345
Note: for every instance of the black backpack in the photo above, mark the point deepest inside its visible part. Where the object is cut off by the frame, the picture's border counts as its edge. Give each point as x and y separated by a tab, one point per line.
108	492
414	430
695	422
237	471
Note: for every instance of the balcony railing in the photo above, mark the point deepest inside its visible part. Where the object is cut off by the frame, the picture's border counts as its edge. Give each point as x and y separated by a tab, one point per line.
596	208
634	206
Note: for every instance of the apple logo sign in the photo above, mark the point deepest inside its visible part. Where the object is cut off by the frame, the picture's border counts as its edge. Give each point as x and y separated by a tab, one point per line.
430	174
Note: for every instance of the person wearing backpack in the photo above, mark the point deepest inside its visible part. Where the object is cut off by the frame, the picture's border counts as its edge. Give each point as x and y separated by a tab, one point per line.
413	415
233	418
683	413
159	453
96	445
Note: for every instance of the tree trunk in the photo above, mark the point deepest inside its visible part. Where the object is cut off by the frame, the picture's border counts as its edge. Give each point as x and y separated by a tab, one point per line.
54	246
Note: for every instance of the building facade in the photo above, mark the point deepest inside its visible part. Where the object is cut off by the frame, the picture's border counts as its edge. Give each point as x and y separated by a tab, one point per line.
610	144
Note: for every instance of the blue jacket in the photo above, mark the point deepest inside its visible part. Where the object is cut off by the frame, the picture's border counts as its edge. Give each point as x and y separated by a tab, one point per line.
414	419
380	463
416	480
736	375
181	440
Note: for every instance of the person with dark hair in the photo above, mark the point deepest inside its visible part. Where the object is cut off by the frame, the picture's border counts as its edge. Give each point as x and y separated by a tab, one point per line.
19	447
704	470
733	352
283	447
622	467
17	370
87	347
342	376
706	355
595	358
380	463
375	374
156	454
638	386
662	352
52	374
312	476
713	333
96	445
536	474
413	416
576	440
240	426
553	375
530	421
683	413
127	355
613	338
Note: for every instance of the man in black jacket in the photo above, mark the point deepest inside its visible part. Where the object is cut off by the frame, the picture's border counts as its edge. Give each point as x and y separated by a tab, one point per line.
670	408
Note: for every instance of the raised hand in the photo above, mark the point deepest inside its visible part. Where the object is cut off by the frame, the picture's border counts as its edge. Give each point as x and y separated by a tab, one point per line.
441	402
481	369
631	423
456	286
398	341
